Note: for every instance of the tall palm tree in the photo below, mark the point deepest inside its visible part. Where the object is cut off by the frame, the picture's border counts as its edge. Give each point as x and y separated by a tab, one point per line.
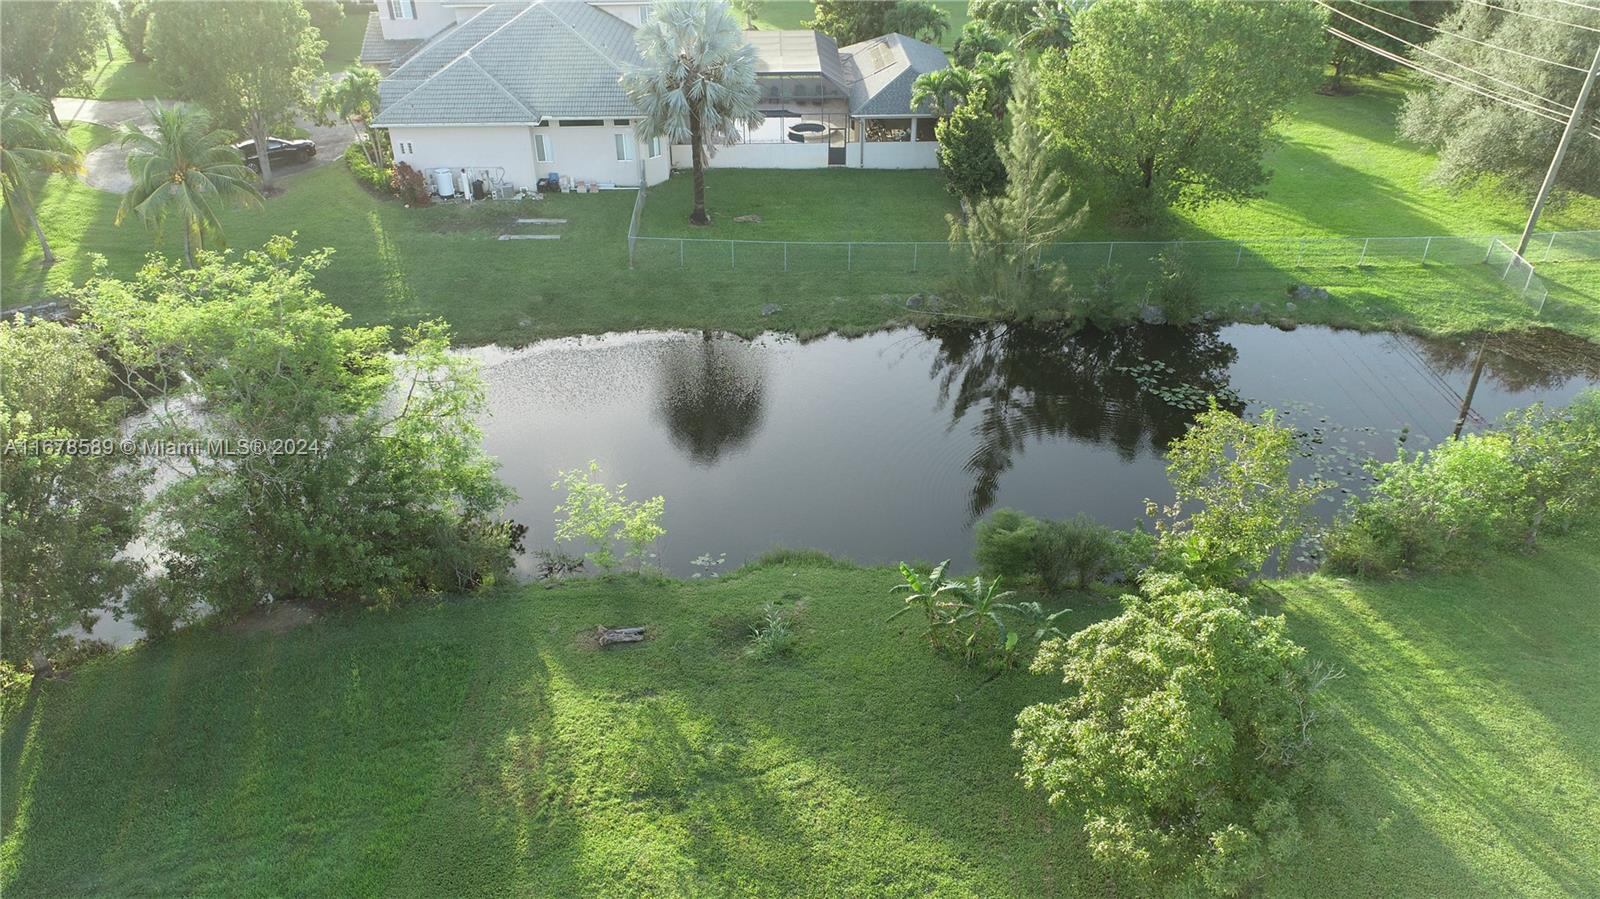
944	88
698	82
185	168
354	98
30	145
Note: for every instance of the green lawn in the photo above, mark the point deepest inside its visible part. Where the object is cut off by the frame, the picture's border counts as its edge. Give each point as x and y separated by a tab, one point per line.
344	42
844	204
120	79
483	748
777	15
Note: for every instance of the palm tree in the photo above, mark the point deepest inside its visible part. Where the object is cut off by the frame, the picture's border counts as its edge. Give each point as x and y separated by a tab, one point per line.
29	145
698	83
354	98
182	167
944	88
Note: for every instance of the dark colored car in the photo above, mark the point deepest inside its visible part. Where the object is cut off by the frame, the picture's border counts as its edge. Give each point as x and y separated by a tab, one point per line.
279	150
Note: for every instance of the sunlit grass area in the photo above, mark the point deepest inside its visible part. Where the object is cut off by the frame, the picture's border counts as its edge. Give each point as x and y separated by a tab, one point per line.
777	15
484	747
120	78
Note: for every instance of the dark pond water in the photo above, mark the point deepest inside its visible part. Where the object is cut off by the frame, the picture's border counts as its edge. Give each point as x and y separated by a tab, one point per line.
891	446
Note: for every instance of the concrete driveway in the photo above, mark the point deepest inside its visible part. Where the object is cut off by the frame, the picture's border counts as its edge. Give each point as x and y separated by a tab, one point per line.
106	167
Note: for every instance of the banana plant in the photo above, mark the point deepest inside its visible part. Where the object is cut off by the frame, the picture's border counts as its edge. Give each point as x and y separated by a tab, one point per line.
938	598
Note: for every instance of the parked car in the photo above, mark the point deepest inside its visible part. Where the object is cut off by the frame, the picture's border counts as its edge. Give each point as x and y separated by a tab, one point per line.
281	151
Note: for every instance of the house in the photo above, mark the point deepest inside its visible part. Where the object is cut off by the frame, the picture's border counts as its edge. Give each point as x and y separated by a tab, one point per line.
510	92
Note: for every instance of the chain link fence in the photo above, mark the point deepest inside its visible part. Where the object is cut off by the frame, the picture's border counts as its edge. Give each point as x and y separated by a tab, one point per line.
1134	258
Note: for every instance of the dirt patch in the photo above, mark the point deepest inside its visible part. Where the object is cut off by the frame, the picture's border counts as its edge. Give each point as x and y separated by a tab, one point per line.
278	618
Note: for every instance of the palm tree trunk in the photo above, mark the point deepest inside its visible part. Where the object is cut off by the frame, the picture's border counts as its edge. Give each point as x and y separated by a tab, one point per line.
698	216
33	219
188	249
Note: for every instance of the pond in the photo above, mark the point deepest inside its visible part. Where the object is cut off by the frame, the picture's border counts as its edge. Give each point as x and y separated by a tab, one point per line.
891	446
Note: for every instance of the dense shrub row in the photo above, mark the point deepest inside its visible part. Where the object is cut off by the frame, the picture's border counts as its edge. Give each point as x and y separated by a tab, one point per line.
374	177
1465	499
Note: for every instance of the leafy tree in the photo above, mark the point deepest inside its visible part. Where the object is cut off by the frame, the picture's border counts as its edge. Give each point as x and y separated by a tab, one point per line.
181	167
335	468
698	82
30	147
1008	233
252	62
1475	136
1032	24
1175	102
994	72
748	10
1235	501
354	98
944	89
968	155
977	37
851	21
1182	740
49	45
917	18
66	516
133	27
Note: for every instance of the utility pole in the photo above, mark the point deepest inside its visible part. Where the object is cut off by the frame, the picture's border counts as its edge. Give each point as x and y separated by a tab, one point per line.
1573	121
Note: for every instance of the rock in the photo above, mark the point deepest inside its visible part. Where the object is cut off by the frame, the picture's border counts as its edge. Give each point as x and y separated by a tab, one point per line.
770	308
751	219
1152	315
1307	292
1290	307
1255	310
915	301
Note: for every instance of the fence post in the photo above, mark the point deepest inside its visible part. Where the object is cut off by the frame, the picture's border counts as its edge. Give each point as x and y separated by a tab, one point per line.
1489	250
914	248
1527	282
1238	258
1363	260
1425	247
680	252
1111	247
786	255
849	256
1509	263
731	263
1548	247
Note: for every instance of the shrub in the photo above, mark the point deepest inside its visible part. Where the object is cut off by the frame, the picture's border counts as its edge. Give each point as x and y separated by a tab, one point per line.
594	513
774	636
969	149
1015	545
1183	737
1235	502
1176	288
373	177
1484	493
410	185
964	618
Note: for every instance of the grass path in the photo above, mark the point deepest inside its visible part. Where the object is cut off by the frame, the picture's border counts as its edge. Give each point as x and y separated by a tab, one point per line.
482	748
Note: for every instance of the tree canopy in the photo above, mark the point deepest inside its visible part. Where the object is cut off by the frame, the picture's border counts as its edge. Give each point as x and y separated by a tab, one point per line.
49	45
1175	102
31	147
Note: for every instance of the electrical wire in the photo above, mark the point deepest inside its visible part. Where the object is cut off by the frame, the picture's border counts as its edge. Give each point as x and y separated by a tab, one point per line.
1471	40
1553	106
1457	80
1518	12
1589	6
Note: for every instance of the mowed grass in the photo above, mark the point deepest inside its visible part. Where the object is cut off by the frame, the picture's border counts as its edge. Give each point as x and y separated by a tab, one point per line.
484	748
779	15
1341	172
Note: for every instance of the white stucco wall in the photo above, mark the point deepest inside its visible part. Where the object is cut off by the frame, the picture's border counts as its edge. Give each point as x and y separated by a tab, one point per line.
432	17
920	155
508	147
632	13
758	156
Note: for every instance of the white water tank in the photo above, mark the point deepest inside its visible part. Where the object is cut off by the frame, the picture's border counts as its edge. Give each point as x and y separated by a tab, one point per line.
444	182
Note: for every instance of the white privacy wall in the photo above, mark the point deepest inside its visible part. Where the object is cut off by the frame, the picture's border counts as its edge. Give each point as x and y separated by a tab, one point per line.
790	155
920	155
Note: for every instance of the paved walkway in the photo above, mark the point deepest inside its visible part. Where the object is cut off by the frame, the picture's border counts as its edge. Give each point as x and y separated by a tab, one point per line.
106	167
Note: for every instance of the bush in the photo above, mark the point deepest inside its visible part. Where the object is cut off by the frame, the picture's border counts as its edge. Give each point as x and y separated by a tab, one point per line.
410	185
592	512
373	177
1183	738
774	636
1467	498
1176	288
1019	546
968	618
969	149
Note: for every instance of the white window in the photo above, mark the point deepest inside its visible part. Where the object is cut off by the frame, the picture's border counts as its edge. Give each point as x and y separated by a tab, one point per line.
644	14
655	147
402	9
624	147
542	149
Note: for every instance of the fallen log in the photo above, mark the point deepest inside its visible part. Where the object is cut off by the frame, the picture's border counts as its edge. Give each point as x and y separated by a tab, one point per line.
609	635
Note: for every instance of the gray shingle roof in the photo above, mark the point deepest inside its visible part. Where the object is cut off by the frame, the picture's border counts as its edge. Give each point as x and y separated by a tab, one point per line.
377	50
516	63
881	71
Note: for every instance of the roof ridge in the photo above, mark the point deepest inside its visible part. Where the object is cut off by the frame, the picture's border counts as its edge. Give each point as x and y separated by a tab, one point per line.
503	89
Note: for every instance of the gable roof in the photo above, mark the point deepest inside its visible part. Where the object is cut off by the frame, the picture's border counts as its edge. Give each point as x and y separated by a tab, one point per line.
881	71
515	63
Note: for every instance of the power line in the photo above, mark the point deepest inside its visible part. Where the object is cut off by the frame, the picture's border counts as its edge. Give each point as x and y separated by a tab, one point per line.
1554	106
1518	12
1589	6
1471	40
1457	80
